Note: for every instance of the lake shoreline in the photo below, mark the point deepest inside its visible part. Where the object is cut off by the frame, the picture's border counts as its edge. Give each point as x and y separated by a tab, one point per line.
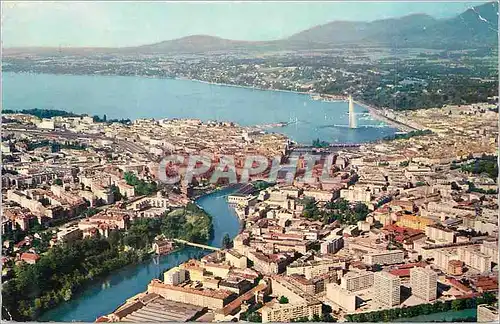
374	112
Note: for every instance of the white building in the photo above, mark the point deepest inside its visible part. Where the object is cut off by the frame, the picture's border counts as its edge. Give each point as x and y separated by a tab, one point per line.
423	283
46	124
333	245
354	281
175	276
474	258
384	257
356	194
387	288
340	296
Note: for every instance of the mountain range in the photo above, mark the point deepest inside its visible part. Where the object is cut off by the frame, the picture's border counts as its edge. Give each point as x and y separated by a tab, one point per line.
474	28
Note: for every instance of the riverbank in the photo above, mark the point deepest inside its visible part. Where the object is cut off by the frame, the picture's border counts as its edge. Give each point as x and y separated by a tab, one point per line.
106	294
449	316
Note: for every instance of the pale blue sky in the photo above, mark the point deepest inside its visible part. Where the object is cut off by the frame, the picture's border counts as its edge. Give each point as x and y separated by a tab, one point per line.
135	23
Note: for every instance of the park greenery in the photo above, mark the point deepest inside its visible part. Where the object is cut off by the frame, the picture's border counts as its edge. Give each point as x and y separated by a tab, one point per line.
49	113
339	210
487	165
423	309
141	187
251	313
189	223
409	134
227	243
325	317
41	113
317	143
54	145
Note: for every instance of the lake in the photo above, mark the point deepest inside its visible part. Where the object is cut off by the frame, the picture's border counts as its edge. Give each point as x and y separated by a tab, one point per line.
140	97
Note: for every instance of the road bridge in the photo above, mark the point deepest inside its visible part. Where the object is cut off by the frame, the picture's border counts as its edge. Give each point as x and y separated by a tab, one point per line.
202	246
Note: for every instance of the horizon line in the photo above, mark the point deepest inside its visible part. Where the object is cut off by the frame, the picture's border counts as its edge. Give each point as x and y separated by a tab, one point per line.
249	41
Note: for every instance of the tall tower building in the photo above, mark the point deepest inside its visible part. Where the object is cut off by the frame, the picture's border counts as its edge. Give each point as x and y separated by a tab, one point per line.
387	288
352	117
423	283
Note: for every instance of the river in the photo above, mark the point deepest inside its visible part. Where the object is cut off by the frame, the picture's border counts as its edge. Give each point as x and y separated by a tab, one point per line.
450	316
106	294
139	97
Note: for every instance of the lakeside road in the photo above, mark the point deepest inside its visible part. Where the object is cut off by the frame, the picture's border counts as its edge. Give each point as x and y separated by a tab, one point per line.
378	115
320	97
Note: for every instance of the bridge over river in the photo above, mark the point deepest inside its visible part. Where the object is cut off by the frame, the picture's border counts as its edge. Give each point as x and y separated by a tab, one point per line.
202	246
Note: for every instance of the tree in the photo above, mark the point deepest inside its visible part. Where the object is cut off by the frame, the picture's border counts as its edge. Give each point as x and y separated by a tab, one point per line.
116	193
227	243
254	317
283	300
457	304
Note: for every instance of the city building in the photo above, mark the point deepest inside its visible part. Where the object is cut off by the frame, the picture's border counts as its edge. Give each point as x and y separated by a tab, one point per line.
423	283
163	246
490	248
440	234
340	296
332	245
455	267
354	281
30	258
387	288
212	299
175	276
276	312
384	257
487	313
356	194
236	259
301	304
473	258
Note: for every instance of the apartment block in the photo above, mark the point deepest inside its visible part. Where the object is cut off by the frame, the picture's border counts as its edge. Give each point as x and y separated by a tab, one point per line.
423	283
384	257
175	276
490	248
354	281
287	312
387	288
341	297
333	245
212	299
487	313
440	234
473	258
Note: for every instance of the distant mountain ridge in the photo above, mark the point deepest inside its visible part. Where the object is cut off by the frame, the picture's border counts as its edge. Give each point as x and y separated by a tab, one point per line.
476	27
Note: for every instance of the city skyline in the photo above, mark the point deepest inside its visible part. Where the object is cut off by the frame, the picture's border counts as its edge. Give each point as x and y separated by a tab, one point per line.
121	24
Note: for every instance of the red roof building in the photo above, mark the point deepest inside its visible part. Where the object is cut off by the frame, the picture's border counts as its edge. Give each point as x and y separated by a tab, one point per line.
30	258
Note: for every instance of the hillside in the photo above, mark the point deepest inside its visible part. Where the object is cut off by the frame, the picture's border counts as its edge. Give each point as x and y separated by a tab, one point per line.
475	28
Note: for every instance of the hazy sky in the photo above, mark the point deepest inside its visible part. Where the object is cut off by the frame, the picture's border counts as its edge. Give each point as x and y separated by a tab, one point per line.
46	23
